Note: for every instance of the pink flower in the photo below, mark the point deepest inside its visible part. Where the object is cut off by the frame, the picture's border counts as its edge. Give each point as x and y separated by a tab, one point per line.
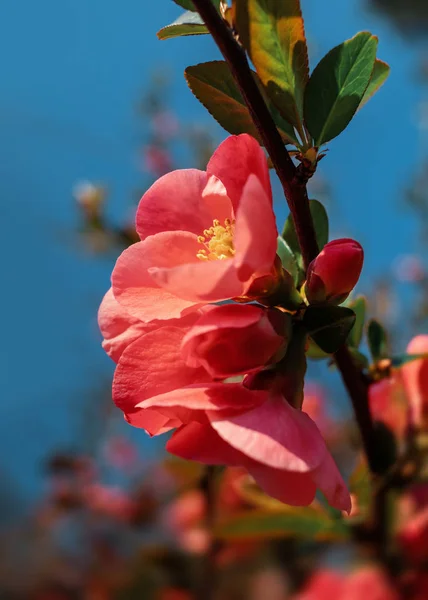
335	272
205	236
232	339
225	423
119	328
415	376
413	537
368	583
388	404
402	399
324	585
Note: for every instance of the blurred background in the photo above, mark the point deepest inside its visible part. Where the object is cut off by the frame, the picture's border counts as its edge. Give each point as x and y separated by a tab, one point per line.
93	109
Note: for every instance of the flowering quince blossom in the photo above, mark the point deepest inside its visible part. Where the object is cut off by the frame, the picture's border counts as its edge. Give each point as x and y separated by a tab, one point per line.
164	381
335	272
368	583
205	236
402	399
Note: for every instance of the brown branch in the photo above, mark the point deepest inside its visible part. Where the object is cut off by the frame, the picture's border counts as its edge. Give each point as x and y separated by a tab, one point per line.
295	193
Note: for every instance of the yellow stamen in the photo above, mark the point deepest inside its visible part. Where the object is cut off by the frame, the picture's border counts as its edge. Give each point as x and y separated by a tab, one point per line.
217	241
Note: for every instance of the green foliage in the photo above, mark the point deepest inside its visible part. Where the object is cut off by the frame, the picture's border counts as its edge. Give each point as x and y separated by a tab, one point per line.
305	523
314	352
214	86
328	326
288	259
273	34
378	340
189	23
359	306
380	74
337	86
320	220
186	4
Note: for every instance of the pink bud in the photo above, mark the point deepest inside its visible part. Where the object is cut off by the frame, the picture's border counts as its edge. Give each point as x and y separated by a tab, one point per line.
335	272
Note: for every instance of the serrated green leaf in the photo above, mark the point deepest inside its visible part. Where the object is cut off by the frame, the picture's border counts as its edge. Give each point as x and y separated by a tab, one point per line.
378	340
288	259
189	23
303	523
320	220
214	86
337	86
380	74
273	34
359	306
328	326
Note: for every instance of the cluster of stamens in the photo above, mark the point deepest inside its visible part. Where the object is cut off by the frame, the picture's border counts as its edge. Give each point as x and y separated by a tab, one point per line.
217	241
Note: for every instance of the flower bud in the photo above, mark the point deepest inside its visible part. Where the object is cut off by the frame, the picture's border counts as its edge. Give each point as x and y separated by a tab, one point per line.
334	272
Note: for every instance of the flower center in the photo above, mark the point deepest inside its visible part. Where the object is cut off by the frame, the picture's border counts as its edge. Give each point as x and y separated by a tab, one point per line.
217	241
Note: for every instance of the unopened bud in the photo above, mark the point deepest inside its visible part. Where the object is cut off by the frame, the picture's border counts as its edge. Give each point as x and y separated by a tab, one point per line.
335	272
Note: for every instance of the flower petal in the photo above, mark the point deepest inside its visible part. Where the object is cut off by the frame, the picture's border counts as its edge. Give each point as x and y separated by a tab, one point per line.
118	327
256	234
201	443
152	365
276	435
134	287
328	479
230	340
296	489
204	281
415	377
234	161
227	398
173	203
153	422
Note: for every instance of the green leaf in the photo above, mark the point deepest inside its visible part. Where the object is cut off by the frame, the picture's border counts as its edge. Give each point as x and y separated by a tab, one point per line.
359	306
379	76
214	86
189	23
314	352
273	34
303	523
328	326
288	259
188	4
320	219
337	86
378	340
